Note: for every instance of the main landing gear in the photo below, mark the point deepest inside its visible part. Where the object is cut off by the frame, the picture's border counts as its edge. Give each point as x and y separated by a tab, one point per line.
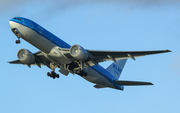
53	75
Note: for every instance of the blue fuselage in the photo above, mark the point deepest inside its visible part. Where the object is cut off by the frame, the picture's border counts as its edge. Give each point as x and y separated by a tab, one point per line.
96	73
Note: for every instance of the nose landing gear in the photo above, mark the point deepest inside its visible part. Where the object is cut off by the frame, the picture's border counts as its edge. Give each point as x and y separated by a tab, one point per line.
18	41
18	34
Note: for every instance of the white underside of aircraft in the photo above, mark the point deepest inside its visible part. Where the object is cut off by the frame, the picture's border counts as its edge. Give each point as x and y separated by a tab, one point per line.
55	53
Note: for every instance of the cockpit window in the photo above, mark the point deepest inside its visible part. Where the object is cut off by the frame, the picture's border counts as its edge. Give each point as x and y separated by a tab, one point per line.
17	18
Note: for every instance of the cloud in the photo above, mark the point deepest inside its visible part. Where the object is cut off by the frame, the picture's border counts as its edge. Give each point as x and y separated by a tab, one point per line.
5	5
49	9
65	4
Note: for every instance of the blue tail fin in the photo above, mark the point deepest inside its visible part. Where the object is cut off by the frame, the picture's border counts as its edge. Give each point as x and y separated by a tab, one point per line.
116	68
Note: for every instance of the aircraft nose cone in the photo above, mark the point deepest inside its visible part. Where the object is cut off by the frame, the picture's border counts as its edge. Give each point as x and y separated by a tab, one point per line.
13	24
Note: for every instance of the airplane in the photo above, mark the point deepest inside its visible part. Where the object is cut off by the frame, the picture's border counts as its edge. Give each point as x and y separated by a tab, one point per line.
55	53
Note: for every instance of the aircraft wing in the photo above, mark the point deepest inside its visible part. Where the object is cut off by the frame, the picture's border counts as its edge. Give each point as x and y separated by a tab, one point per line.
100	56
39	60
94	56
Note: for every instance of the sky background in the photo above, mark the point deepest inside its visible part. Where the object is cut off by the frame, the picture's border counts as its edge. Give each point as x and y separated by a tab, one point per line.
119	25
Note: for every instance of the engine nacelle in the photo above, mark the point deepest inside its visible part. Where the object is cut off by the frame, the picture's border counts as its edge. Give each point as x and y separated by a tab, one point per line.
78	52
25	56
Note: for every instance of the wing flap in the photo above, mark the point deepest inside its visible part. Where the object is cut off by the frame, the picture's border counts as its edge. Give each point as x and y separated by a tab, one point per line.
132	83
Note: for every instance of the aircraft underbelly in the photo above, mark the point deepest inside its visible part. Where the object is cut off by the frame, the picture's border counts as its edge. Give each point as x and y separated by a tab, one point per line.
49	49
97	78
36	39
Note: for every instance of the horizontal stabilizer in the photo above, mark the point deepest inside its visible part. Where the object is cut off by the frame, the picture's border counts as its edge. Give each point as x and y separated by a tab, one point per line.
132	83
99	86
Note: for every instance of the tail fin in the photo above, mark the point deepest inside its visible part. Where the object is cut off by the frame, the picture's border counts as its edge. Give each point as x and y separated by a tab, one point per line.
116	68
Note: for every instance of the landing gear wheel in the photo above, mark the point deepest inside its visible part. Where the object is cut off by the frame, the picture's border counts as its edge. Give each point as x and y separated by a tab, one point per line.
57	75
48	74
18	41
53	75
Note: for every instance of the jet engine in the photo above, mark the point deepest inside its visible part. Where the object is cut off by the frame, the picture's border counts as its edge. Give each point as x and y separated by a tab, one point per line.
25	56
78	52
